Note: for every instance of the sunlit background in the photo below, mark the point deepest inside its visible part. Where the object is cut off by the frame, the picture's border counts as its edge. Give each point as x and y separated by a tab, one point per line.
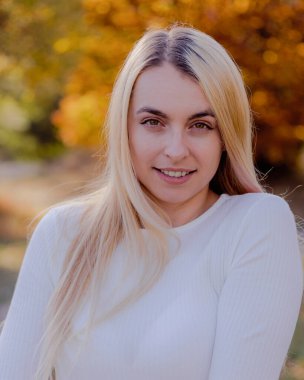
58	61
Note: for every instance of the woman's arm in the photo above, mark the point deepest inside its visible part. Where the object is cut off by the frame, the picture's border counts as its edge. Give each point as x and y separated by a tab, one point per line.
260	300
23	327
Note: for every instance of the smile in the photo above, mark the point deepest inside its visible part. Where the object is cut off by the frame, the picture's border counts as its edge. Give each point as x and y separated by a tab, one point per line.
175	173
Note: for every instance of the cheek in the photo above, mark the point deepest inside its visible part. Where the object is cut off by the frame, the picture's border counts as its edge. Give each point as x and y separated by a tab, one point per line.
142	146
140	152
135	147
133	142
209	151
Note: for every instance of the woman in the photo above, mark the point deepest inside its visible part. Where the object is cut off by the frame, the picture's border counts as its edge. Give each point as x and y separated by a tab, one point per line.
179	266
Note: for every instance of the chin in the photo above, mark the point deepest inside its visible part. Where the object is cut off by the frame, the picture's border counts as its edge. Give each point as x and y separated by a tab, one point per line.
171	200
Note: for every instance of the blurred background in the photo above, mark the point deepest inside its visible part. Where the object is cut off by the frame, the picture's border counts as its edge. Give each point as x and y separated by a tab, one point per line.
58	61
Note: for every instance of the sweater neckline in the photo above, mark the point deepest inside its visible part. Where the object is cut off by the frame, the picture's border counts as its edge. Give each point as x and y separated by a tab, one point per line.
203	216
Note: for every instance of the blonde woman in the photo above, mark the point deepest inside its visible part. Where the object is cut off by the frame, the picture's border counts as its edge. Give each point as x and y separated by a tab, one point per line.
180	266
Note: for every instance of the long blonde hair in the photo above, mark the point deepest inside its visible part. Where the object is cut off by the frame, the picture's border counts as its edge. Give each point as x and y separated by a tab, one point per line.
120	208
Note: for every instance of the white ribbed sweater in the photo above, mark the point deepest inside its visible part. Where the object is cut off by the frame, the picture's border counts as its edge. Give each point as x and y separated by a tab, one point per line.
224	309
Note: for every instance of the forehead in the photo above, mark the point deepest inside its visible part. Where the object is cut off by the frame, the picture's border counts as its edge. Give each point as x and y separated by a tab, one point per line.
167	88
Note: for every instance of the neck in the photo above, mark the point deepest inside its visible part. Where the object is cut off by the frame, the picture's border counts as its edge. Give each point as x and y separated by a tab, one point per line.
183	213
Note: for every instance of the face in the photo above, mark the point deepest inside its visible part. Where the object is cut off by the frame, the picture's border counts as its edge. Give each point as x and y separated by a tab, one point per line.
174	141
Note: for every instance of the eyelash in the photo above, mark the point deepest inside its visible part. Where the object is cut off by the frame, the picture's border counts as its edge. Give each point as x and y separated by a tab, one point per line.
205	125
148	122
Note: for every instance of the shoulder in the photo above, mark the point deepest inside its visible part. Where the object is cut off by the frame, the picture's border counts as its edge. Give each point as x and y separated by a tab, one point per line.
264	220
53	236
258	205
233	214
259	230
59	220
255	199
255	217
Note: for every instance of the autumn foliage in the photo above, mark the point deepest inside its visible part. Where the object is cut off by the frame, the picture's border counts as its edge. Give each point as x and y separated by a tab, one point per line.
265	37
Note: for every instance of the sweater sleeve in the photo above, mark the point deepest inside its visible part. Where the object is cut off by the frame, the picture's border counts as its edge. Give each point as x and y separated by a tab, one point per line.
23	325
260	300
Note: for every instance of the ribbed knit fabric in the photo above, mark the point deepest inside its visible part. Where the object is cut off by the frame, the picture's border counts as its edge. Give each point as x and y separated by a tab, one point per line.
225	307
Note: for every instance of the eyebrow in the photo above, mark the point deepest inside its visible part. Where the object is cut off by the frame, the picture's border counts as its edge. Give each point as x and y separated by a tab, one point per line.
153	111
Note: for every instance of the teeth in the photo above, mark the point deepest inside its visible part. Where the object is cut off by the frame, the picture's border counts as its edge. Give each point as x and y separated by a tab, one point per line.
174	174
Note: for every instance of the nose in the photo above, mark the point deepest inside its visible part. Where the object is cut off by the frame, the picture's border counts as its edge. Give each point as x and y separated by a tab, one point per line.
176	147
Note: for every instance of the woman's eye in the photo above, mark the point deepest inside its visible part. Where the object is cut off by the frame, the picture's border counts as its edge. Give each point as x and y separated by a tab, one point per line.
151	122
202	125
